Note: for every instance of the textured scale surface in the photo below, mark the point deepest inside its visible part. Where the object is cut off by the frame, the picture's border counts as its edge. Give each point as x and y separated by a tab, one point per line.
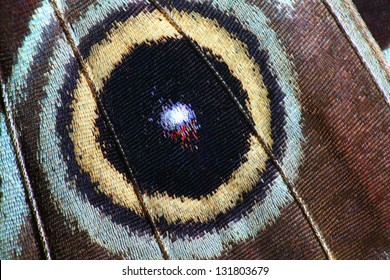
199	129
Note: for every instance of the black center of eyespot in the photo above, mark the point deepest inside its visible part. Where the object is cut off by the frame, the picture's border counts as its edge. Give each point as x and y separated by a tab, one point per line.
179	130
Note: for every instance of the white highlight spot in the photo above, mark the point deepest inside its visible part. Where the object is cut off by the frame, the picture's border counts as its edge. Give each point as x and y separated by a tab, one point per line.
174	116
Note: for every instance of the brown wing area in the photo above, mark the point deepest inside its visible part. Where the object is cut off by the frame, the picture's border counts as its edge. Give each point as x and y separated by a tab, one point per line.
344	179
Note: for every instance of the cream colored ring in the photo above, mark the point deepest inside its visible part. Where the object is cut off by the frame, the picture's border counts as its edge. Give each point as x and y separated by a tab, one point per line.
152	27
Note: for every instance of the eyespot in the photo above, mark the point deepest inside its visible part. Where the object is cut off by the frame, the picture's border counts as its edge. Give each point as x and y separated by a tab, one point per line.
201	171
146	38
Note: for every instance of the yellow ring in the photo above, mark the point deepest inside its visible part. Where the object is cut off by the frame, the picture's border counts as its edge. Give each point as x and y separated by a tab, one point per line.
152	27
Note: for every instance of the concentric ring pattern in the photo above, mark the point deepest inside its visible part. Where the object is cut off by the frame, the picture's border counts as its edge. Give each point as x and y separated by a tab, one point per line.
142	141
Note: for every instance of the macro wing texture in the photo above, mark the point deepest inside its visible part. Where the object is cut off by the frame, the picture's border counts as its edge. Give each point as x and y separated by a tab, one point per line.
193	129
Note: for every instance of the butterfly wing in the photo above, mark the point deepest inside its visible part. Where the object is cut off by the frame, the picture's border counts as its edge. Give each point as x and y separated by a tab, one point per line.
195	129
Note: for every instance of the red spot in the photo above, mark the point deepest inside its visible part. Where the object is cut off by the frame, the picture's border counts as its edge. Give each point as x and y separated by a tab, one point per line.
186	134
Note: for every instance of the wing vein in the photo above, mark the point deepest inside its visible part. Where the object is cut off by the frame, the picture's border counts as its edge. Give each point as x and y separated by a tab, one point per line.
23	170
378	68
109	125
301	203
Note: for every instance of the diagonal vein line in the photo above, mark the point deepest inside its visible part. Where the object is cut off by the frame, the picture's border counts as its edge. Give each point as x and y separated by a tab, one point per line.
355	48
23	171
106	119
301	203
